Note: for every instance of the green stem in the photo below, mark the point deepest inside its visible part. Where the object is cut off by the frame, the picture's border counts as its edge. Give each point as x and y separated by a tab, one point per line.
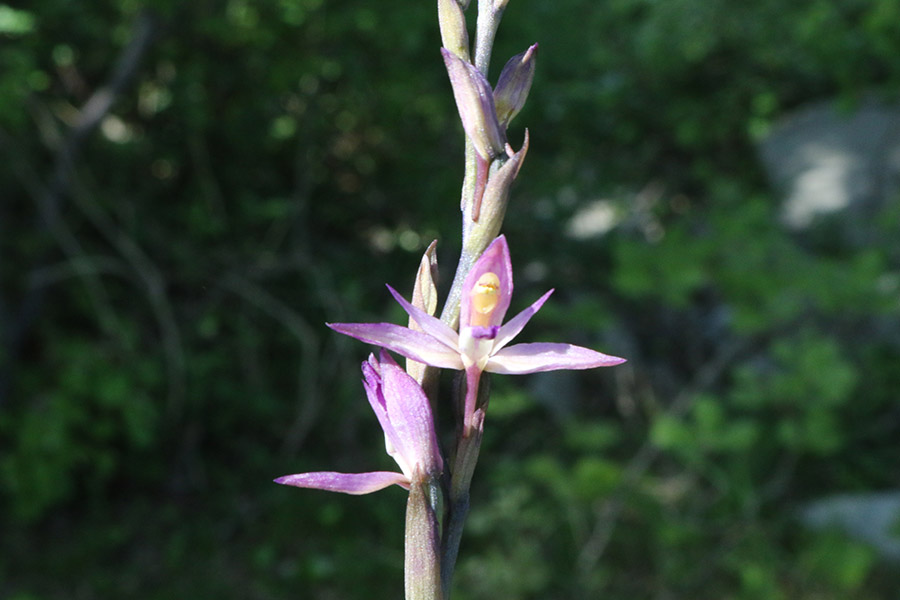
478	232
464	462
422	568
464	468
485	30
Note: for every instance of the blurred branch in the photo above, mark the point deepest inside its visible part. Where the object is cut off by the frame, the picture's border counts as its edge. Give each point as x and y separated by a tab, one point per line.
308	401
607	512
49	197
16	326
101	101
78	266
153	282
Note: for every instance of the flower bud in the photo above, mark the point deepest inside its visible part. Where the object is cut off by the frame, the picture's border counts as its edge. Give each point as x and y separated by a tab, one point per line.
424	297
475	102
452	21
514	85
477	234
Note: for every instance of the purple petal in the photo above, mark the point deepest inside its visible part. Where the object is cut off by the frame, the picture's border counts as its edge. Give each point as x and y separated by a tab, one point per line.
402	340
430	325
495	259
533	358
410	414
512	328
373	385
347	483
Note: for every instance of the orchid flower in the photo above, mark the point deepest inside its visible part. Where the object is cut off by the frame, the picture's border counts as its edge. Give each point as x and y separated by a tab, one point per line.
482	342
405	416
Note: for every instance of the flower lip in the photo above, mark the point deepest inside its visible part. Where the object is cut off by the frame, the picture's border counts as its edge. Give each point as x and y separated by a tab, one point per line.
485	333
484	297
489	282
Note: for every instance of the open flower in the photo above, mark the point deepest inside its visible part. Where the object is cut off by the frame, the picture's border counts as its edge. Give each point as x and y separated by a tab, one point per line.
482	343
405	416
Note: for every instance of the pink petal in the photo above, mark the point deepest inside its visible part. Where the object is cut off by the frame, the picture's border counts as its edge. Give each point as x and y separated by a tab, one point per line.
495	259
402	340
430	325
347	483
373	385
410	414
533	358
515	325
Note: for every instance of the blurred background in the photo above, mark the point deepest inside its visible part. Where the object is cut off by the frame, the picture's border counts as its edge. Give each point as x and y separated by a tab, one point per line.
190	190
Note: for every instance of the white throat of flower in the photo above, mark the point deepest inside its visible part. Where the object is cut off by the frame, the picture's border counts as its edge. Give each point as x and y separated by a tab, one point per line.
476	339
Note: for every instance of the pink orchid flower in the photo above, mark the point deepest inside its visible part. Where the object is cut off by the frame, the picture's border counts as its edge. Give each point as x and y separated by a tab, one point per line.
405	416
482	342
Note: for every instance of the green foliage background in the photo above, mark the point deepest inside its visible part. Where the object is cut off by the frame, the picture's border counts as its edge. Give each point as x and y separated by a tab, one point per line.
266	166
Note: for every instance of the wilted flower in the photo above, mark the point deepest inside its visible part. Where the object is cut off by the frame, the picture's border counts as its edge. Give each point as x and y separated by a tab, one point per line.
405	416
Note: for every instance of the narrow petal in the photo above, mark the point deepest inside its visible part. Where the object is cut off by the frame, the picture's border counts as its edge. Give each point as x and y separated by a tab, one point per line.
512	328
410	414
404	341
533	358
430	325
346	483
495	259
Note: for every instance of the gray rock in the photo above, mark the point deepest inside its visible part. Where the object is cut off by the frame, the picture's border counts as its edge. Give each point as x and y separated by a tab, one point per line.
872	518
826	161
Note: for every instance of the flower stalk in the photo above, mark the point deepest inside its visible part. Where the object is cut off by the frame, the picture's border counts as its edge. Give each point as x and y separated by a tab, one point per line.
422	564
472	335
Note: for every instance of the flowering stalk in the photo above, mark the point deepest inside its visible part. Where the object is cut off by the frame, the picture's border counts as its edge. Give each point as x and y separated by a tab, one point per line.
422	565
482	343
491	163
471	336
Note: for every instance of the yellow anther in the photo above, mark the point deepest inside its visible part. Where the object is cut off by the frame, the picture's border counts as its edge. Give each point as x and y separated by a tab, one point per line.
485	295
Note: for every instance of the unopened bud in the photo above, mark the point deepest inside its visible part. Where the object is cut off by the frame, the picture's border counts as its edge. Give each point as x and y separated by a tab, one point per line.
514	85
452	21
475	102
493	203
425	297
